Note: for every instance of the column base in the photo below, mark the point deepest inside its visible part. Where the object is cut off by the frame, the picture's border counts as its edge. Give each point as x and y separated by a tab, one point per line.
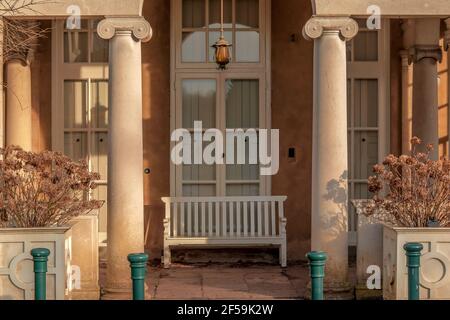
334	291
86	294
116	294
362	293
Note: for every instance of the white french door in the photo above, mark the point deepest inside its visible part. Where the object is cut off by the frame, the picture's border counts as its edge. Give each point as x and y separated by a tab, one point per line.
222	101
368	111
80	102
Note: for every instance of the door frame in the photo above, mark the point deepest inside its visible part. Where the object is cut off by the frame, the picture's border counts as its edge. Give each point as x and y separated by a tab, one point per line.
177	69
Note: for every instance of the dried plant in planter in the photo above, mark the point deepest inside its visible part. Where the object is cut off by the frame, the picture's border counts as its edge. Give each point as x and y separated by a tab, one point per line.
411	191
44	189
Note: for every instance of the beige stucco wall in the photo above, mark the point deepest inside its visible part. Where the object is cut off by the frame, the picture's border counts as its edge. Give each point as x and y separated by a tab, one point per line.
292	103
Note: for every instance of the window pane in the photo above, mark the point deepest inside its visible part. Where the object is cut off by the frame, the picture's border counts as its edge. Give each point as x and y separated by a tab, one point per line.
194	14
366	153
193	47
237	190
99	103
100	193
366	46
208	190
247	13
213	37
247	46
242	103
366	103
215	13
199	102
75	104
75	145
99	154
100	49
75	46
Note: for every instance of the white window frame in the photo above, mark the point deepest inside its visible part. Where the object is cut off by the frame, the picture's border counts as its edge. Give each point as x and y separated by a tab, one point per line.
62	71
379	70
207	70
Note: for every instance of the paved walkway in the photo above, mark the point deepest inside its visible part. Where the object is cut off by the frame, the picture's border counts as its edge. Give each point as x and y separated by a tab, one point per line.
226	282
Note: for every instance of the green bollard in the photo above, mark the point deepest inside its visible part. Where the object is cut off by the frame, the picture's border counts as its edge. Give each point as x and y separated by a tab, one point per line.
317	261
138	264
413	253
40	258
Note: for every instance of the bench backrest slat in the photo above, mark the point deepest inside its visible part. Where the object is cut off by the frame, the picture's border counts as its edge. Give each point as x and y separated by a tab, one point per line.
224	217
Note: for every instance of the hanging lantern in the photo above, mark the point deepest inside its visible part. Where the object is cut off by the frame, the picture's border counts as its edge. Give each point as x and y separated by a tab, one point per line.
222	47
222	54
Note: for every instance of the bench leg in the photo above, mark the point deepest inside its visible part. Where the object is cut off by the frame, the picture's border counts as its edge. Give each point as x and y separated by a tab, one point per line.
167	257
283	256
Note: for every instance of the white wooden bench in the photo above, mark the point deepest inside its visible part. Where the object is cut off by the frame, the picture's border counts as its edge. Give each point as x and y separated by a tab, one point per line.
222	222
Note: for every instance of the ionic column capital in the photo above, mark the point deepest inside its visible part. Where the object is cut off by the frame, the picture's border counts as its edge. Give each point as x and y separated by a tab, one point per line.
137	26
420	52
316	26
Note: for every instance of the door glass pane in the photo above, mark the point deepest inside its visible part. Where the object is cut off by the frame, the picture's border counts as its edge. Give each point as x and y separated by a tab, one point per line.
100	49
99	101
247	13
204	190
366	46
193	47
75	145
242	112
199	102
75	46
237	190
99	154
75	104
366	103
196	172
366	153
247	171
247	46
215	13
362	191
194	13
242	103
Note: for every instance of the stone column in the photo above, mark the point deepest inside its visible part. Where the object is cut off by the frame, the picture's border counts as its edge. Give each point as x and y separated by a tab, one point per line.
426	54
408	42
329	228
18	103
125	156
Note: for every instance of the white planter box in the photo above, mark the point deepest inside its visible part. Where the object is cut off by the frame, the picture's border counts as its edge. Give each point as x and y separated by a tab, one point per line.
84	284
16	265
435	262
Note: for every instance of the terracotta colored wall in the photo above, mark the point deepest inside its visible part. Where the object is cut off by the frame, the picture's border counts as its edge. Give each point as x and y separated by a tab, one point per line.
156	114
292	106
41	69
